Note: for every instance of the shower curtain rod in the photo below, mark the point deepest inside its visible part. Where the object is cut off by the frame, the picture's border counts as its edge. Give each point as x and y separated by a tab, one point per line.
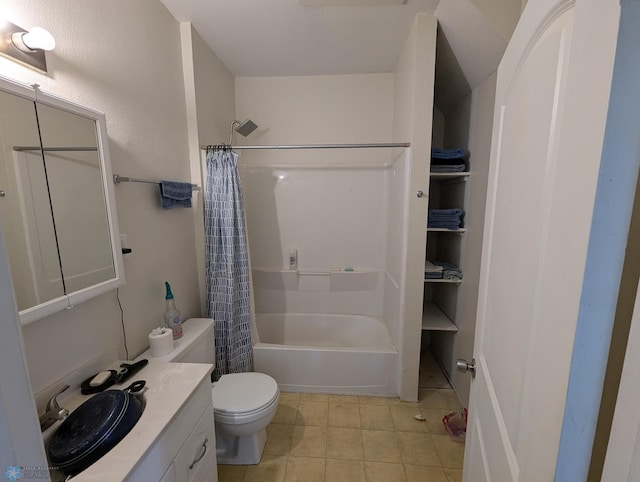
317	146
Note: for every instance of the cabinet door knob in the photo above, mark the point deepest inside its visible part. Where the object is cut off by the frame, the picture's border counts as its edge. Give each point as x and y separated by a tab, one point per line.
420	194
200	455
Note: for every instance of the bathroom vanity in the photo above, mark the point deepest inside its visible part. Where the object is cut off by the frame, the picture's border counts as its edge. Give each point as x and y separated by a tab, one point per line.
174	440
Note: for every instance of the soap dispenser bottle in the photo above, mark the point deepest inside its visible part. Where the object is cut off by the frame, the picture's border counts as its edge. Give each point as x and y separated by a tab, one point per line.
172	315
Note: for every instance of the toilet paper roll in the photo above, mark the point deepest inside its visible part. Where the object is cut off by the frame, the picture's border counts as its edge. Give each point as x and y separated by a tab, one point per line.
161	342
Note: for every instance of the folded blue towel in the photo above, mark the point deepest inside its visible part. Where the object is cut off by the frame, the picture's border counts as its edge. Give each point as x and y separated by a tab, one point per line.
175	194
445	218
452	226
448	168
448	153
438	213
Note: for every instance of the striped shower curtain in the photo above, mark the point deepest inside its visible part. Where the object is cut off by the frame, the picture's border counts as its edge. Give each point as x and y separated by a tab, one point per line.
227	264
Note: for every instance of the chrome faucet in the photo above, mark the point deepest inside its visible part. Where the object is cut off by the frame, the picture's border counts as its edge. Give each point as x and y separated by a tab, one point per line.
53	412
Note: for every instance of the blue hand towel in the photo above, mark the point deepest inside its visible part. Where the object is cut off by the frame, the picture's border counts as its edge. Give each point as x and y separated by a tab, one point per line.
175	194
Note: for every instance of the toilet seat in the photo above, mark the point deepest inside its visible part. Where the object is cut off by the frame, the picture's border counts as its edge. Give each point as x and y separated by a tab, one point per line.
243	397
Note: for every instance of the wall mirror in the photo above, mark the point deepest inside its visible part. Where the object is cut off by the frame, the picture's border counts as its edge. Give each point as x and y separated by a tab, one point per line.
57	208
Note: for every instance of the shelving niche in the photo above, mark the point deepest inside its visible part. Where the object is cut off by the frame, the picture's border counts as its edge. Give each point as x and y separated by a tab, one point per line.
442	296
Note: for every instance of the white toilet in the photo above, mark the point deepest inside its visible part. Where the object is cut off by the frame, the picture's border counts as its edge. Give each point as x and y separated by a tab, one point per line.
243	403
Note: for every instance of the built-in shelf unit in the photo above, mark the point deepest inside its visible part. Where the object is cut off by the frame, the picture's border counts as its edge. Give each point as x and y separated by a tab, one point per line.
442	296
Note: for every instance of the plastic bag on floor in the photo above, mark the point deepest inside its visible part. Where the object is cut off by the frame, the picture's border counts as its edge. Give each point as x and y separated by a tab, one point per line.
455	423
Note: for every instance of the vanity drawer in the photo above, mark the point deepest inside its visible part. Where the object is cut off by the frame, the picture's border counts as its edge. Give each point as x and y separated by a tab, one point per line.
196	460
170	474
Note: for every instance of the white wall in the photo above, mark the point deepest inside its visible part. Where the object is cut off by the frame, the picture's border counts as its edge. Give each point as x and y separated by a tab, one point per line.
122	58
413	119
502	14
437	135
210	101
317	109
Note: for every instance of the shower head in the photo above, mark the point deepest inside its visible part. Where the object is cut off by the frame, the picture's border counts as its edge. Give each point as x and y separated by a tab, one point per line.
245	128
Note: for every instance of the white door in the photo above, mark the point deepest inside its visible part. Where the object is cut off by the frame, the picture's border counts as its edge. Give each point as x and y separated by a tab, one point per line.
622	461
551	106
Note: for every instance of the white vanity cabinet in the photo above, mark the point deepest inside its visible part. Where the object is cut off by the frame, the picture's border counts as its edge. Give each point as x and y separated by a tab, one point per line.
196	461
174	440
187	446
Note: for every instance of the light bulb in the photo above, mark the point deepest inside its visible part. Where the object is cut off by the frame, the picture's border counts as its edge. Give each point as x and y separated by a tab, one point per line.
36	39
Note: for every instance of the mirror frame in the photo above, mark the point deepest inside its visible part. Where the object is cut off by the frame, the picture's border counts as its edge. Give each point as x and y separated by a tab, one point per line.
69	300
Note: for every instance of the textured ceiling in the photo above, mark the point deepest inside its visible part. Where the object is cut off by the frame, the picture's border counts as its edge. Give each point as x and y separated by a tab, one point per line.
283	37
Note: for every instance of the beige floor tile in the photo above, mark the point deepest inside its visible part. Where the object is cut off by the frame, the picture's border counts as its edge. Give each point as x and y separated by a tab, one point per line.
420	473
453	475
433	420
305	469
344	414
309	441
365	400
291	396
431	375
434	398
417	448
286	413
404	420
312	413
231	473
343	398
451	452
345	471
380	446
452	399
344	443
384	472
314	397
279	438
376	417
270	469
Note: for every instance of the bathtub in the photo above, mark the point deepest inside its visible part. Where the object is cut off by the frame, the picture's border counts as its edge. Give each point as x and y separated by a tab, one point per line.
326	353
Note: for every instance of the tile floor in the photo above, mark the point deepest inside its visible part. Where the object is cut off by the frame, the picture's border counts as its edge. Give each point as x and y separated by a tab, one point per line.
318	437
431	376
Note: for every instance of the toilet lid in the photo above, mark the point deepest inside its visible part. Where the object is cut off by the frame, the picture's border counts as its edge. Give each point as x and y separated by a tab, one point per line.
243	392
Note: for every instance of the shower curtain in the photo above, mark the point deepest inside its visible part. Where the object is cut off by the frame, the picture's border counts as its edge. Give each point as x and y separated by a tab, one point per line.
227	264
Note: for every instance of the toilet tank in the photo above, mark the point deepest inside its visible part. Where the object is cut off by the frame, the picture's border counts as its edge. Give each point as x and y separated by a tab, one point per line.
197	344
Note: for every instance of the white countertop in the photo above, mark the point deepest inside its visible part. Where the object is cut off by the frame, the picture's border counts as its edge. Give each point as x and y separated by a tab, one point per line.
169	387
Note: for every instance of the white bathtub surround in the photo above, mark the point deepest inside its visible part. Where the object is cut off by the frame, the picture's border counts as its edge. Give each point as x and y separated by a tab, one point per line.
327	353
323	279
339	207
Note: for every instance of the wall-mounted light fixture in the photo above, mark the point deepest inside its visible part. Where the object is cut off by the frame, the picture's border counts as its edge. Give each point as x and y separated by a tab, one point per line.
26	47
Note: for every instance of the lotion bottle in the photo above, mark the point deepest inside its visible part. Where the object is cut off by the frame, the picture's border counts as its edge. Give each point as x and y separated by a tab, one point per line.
172	315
